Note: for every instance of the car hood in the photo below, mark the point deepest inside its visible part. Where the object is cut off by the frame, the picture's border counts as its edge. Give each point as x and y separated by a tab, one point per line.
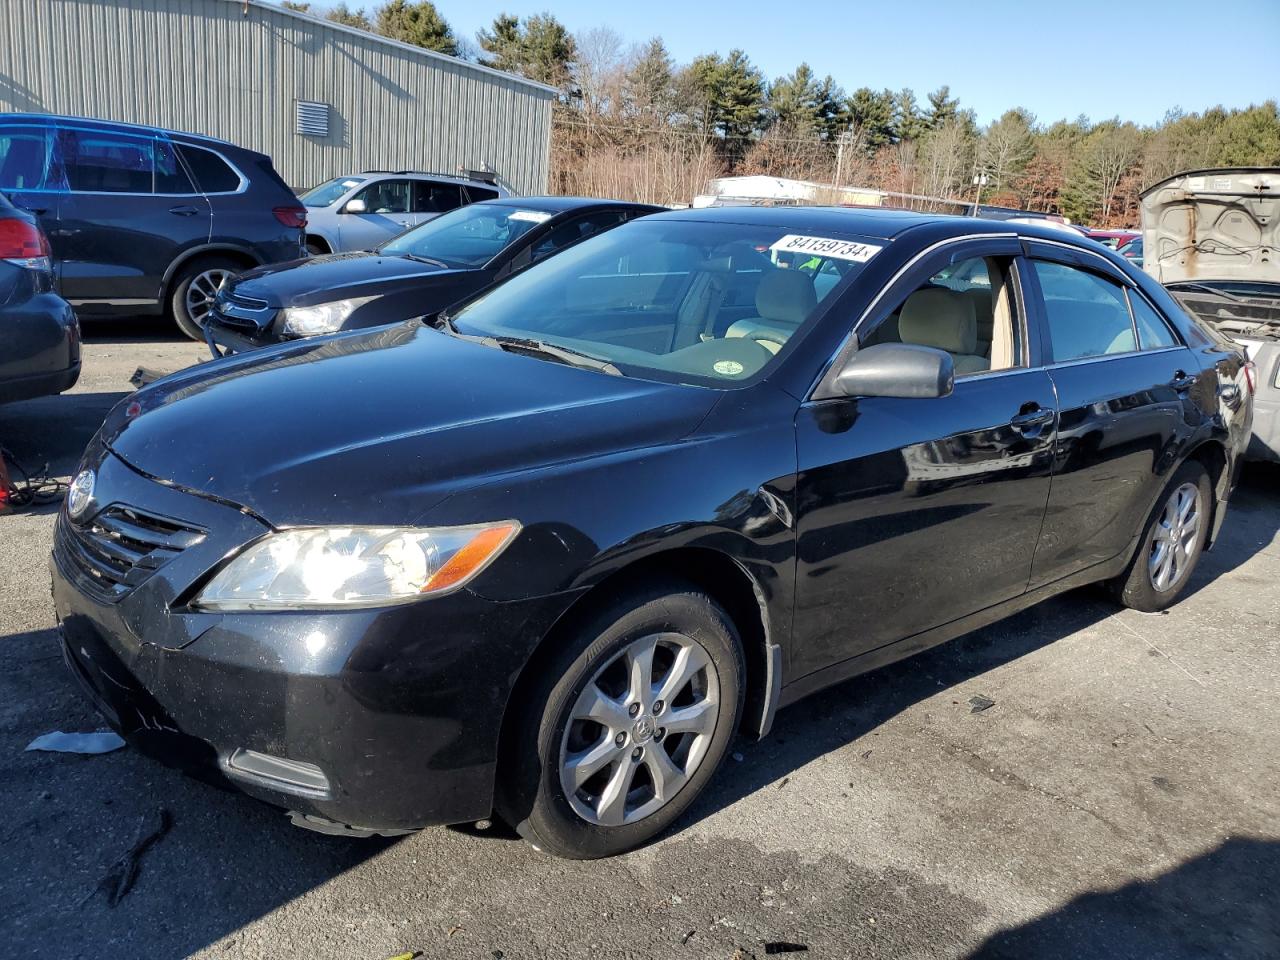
334	276
376	427
1213	225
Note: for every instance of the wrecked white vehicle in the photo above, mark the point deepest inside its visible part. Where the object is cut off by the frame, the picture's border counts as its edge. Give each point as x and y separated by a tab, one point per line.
1211	238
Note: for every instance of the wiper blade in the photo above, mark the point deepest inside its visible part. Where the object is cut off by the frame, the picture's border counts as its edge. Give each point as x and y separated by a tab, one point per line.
427	260
564	354
1208	289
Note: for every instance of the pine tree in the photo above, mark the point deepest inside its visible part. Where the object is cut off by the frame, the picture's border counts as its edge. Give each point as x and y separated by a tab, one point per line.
418	23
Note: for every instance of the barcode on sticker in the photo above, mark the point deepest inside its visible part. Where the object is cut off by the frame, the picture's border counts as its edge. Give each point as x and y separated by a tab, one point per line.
826	247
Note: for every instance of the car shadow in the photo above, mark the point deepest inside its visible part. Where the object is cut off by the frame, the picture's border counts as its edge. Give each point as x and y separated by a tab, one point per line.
53	431
1219	904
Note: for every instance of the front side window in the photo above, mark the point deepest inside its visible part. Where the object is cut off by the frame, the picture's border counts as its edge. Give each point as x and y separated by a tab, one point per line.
105	162
24	157
969	309
386	196
683	301
1088	315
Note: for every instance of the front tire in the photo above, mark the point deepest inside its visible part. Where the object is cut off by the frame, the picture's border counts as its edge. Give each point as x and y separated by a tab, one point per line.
193	291
631	720
1171	544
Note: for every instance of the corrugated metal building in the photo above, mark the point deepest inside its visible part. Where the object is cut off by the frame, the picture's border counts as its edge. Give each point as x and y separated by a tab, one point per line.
321	99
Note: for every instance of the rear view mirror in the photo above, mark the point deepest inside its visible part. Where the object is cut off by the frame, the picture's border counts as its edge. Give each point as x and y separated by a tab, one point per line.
897	370
355	206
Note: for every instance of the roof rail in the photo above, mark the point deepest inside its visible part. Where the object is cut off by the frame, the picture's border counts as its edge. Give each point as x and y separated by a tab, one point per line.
483	176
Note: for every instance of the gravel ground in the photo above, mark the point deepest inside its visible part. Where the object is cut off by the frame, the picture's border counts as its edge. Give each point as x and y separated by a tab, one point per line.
1121	799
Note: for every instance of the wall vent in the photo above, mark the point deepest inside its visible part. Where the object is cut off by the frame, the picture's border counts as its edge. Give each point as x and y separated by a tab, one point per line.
313	118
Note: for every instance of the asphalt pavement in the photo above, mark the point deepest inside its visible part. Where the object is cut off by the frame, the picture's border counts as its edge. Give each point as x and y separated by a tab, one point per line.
1120	799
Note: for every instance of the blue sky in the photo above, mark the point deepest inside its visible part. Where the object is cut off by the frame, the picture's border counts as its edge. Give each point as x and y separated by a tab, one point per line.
1134	59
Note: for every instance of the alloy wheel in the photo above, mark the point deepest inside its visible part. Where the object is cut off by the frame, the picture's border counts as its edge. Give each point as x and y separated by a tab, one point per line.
639	729
201	292
1177	538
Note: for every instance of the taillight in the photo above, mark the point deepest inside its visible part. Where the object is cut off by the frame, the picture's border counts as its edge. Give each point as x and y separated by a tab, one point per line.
23	244
291	216
1251	376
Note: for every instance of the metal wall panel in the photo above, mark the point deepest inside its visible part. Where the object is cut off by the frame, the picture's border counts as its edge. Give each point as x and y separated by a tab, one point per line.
235	70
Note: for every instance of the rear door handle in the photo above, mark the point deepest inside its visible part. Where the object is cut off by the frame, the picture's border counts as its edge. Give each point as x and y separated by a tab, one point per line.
1182	381
1036	417
184	211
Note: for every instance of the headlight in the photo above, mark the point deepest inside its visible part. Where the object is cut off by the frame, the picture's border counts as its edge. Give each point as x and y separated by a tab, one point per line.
322	318
339	567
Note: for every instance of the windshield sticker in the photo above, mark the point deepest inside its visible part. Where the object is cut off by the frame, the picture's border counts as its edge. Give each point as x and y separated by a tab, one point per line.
533	216
351	183
728	368
826	247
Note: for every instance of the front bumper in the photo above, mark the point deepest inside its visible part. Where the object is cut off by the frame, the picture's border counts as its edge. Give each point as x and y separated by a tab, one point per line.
400	708
224	341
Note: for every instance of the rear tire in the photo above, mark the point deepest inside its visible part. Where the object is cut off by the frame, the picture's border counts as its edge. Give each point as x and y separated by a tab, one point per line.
582	788
1171	545
193	290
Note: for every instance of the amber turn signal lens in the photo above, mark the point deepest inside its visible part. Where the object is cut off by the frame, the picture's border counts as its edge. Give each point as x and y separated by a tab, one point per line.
468	560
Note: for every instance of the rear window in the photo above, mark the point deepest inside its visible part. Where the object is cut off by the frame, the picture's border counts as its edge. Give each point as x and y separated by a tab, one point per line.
211	172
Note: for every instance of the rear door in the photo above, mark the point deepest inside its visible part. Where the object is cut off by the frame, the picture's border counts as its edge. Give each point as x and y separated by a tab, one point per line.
1125	386
130	209
28	175
387	212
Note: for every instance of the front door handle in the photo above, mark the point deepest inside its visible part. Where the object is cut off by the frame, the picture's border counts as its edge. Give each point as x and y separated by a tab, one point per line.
183	211
1035	417
1183	381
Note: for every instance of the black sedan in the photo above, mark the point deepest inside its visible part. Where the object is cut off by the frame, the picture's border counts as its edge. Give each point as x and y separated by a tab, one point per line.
39	335
418	273
548	557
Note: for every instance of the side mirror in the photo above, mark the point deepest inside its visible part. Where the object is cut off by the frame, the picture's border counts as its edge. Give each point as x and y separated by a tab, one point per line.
355	206
897	370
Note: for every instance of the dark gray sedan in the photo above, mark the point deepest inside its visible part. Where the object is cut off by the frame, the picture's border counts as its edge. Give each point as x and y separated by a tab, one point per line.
39	335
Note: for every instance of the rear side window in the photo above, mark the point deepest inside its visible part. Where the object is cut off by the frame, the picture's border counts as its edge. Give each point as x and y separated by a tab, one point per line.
476	194
24	157
1088	315
106	162
575	230
1153	332
212	174
429	197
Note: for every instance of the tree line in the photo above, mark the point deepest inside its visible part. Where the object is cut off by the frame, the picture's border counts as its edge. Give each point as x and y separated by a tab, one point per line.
630	122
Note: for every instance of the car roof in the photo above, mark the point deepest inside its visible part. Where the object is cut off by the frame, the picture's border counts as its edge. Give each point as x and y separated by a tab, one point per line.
420	175
564	204
95	123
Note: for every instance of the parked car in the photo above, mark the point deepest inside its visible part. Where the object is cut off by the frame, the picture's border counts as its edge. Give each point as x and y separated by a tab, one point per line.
419	272
362	211
1112	238
548	557
1213	237
142	220
1132	251
39	336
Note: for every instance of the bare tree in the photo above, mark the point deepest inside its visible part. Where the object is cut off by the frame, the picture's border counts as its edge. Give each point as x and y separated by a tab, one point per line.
1007	146
598	70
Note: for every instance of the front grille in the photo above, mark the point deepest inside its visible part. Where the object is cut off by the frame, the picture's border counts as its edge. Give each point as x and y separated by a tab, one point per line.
121	547
252	303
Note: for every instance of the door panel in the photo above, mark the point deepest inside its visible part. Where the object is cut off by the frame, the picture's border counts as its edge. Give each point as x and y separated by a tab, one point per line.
1121	423
913	513
387	213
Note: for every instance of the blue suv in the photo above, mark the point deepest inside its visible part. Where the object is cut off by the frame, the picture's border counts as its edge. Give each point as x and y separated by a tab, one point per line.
143	220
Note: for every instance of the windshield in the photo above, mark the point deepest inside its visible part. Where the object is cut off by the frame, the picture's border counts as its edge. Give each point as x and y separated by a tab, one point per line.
327	193
468	237
677	300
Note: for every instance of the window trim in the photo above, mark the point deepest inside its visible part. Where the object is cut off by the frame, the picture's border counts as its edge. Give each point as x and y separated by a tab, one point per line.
998	245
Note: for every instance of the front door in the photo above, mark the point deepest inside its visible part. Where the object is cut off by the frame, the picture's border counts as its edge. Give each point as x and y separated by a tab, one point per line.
912	513
387	212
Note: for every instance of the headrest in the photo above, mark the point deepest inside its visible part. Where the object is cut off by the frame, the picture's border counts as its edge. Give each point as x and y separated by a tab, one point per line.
934	317
786	296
